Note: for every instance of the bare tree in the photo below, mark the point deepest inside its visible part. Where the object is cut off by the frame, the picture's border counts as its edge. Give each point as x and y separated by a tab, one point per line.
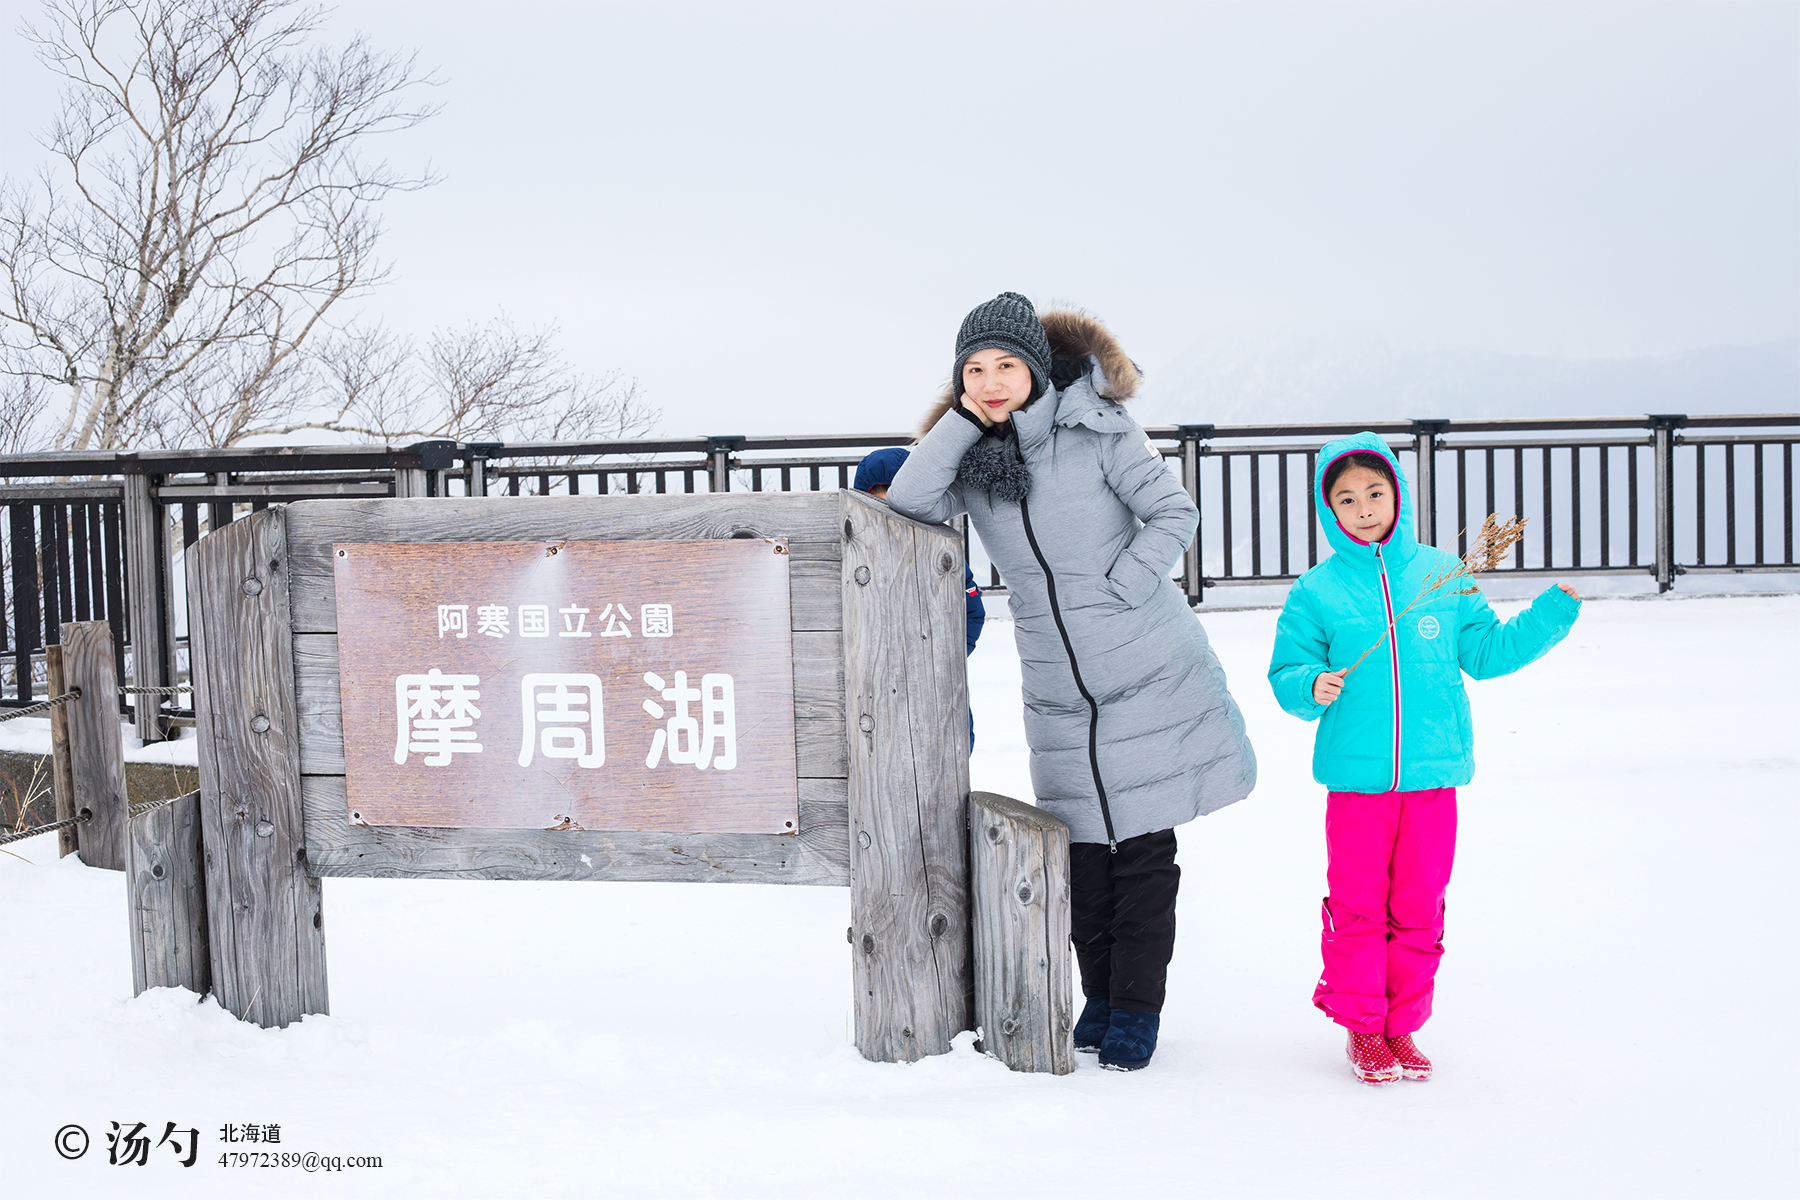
484	382
22	406
372	379
210	204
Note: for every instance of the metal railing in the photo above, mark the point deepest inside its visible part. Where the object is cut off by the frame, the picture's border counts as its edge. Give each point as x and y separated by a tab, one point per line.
1599	500
61	559
101	535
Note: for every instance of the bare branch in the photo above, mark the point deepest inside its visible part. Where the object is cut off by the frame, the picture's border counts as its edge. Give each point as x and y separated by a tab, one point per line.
218	208
482	382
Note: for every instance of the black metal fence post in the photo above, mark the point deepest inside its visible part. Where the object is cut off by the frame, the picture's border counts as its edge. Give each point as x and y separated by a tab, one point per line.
420	464
1663	427
1425	436
26	611
146	583
1191	437
427	477
720	449
476	455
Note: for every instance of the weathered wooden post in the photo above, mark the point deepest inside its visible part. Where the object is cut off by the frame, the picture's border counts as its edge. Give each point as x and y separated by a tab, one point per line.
1019	887
62	774
96	745
166	882
907	694
264	917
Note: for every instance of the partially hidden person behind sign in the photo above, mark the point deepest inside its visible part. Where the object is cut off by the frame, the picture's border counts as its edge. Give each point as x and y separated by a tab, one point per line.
1394	740
873	475
1131	727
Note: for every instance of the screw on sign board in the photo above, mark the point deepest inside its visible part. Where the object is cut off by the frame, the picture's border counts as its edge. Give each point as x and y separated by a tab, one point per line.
569	685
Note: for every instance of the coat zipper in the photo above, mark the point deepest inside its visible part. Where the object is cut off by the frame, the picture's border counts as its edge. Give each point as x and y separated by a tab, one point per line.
1075	668
1387	601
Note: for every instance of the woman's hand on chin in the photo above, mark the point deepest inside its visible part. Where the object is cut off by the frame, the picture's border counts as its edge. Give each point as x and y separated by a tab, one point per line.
980	411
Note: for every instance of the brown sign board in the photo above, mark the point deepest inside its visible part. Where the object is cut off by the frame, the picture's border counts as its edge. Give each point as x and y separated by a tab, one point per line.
641	685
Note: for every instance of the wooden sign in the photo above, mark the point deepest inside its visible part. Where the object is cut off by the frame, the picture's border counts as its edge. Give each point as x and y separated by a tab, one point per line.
642	685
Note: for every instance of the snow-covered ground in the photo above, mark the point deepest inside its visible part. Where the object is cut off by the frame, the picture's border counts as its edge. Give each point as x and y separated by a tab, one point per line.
1615	1011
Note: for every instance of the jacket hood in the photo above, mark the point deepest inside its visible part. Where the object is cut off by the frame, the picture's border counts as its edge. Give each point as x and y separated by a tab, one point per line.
1075	337
1401	541
879	468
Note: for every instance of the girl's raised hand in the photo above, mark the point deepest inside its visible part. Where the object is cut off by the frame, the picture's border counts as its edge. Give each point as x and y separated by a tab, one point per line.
977	410
1573	594
1327	685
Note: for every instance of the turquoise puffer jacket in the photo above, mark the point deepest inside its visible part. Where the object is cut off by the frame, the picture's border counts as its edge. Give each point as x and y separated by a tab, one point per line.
1402	721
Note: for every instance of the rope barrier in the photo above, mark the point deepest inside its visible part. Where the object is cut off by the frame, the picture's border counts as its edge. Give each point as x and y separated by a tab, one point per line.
75	694
46	706
137	810
33	832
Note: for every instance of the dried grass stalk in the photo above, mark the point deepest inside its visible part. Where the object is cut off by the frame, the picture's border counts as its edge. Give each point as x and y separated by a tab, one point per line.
1492	545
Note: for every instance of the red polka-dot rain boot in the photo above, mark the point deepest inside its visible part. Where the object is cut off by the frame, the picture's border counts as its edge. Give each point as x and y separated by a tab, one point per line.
1413	1065
1371	1059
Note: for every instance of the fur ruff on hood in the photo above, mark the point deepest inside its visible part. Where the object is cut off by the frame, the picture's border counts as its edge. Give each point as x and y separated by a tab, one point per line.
1074	336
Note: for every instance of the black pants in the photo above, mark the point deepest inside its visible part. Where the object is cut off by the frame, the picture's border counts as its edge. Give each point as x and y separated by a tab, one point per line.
1123	919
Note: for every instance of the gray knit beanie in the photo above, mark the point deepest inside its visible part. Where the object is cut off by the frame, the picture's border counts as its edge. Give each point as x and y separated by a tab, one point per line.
1007	322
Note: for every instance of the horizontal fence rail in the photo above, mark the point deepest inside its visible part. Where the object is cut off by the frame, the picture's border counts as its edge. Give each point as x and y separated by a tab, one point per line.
1598	504
100	535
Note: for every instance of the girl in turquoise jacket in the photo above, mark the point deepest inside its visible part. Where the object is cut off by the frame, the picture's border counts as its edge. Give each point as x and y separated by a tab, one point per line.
1394	740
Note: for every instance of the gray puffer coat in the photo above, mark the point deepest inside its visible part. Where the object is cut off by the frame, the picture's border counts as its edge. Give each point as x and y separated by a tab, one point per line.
1130	723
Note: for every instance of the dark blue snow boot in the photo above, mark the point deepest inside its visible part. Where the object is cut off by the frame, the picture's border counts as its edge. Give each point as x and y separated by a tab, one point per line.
1090	1030
1130	1040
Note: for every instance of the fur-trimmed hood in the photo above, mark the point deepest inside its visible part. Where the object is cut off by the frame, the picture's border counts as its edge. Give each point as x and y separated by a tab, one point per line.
1075	337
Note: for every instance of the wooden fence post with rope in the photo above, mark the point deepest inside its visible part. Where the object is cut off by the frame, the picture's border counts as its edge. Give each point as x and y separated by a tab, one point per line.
96	745
62	774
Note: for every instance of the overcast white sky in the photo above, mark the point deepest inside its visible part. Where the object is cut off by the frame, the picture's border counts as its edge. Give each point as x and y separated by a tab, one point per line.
775	215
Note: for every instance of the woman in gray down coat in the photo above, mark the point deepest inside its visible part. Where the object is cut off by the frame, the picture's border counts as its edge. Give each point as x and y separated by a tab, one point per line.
1132	730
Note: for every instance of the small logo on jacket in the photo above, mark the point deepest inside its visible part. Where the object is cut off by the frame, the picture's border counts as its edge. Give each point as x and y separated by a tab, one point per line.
1428	627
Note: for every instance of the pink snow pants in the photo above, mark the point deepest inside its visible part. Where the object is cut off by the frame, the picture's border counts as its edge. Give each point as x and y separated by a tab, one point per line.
1389	863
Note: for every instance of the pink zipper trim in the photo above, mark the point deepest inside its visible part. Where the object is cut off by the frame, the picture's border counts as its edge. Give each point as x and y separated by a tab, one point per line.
1393	636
